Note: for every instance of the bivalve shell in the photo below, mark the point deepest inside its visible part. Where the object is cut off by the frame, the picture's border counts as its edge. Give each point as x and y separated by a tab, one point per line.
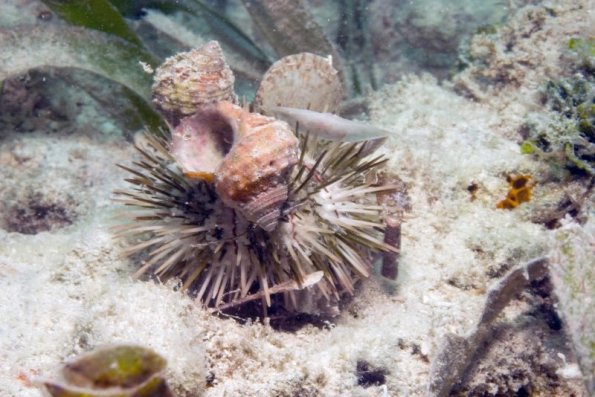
304	81
112	371
190	79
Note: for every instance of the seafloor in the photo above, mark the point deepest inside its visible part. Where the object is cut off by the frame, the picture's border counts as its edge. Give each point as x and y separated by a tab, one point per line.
65	288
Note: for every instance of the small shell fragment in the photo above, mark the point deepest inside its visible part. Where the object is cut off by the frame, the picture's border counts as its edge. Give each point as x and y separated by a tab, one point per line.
304	81
112	371
190	79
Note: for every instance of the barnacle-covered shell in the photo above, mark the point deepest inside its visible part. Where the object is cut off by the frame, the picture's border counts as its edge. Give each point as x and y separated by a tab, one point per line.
253	176
304	81
190	79
113	371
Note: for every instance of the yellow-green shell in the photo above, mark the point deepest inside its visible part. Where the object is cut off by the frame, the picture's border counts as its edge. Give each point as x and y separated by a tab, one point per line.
114	371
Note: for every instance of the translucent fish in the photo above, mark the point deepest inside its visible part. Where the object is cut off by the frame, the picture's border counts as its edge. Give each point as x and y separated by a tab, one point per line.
329	126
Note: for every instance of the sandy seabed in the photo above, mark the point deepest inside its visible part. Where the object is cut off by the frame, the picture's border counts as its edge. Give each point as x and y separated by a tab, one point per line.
65	289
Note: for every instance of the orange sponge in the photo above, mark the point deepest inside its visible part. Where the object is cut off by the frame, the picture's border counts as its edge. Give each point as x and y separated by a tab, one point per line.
520	191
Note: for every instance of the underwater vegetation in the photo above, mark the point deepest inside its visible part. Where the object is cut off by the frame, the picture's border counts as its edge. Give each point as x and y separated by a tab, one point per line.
567	140
237	203
103	23
100	40
573	275
457	352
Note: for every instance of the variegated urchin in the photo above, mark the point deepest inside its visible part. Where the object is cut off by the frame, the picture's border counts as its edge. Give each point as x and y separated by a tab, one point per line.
237	208
330	222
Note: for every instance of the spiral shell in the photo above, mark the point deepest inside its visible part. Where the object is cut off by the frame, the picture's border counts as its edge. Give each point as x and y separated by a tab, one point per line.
303	81
247	156
190	79
253	176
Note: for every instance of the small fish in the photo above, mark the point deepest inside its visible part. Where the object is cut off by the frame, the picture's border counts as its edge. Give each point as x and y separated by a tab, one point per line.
329	126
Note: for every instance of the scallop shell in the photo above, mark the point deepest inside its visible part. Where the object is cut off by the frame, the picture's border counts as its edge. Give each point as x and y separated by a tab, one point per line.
304	81
253	176
113	371
190	79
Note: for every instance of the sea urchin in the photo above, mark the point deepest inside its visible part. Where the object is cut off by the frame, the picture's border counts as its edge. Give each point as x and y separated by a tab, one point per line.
329	223
326	220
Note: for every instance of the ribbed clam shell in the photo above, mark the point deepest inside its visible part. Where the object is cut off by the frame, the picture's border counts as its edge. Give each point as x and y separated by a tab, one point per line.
304	81
190	79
